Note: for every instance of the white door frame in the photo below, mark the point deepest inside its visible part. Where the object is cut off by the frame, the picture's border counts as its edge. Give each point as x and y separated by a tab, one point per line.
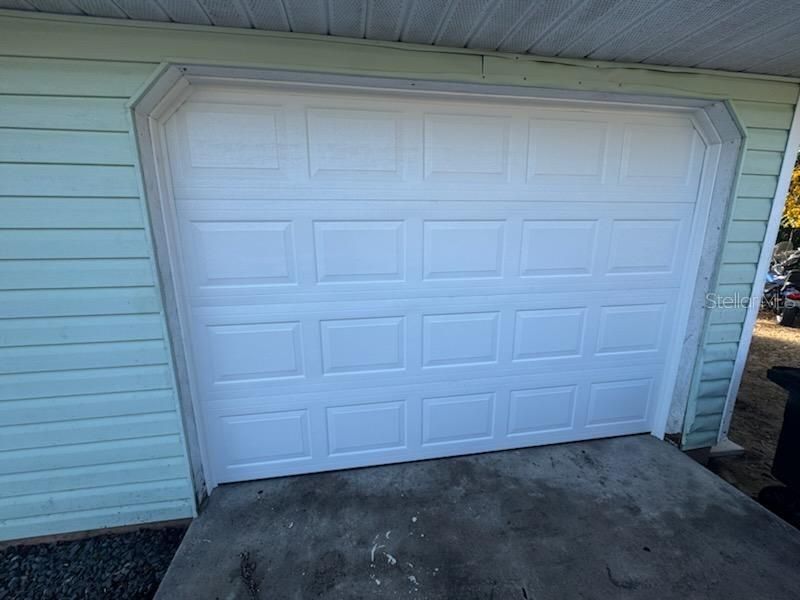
172	85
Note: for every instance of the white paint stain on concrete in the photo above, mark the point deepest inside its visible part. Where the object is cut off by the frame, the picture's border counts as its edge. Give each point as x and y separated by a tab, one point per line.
375	548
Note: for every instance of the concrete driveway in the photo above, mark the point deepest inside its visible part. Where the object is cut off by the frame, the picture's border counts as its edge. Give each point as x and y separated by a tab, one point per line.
620	518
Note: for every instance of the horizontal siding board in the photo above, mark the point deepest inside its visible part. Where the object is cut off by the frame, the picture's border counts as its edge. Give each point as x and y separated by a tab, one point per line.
84	454
735	293
747	231
32	359
765	115
90	302
68	180
741	252
721	333
71	77
707	422
66	213
89	381
752	209
718	369
721	351
47	112
711	406
762	186
705	405
737	273
728	315
60	480
70	408
93	498
713	388
59	274
60	433
767	139
76	330
65	147
73	243
761	162
54	523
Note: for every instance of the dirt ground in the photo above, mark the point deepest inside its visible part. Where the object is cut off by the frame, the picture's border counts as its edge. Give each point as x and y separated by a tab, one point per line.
758	414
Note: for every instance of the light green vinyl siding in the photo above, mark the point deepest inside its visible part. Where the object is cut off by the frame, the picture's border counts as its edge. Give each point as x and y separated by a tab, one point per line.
90	434
89	420
767	126
70	147
82	114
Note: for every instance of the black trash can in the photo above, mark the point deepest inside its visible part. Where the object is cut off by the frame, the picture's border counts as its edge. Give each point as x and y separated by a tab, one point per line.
786	464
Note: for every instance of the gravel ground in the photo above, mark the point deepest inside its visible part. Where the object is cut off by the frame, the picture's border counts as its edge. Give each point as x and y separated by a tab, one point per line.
758	415
121	566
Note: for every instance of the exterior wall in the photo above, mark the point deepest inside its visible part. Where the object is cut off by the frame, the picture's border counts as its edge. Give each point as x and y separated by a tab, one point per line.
91	432
91	435
767	126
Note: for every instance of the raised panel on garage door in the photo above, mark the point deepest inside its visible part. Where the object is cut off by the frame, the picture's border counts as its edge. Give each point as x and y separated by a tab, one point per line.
370	278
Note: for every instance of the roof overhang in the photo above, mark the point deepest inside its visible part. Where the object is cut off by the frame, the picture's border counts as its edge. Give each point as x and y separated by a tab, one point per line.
752	36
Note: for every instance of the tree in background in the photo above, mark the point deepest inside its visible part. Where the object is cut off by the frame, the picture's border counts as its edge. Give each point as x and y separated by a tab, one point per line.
791	212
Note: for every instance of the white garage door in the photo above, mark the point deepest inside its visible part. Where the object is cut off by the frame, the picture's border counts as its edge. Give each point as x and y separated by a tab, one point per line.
370	277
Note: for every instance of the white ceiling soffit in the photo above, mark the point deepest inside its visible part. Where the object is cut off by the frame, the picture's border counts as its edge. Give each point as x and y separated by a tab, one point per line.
755	36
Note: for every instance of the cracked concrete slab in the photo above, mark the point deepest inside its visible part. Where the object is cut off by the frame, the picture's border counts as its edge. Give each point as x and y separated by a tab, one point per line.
627	517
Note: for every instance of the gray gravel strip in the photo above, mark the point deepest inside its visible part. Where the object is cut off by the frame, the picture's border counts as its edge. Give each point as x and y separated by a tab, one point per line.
120	566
